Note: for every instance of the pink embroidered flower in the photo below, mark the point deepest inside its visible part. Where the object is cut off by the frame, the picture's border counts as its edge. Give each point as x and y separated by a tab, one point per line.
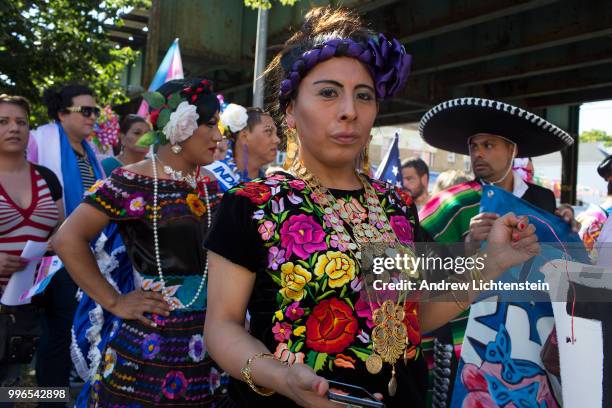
402	229
283	354
297	184
363	308
357	214
282	331
174	385
276	257
378	186
301	235
267	230
294	311
334	241
136	205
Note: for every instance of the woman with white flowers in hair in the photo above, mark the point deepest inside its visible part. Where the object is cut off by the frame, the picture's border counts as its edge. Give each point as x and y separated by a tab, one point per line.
155	356
253	143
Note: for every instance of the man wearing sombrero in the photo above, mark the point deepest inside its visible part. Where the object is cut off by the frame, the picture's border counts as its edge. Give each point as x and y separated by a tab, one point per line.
493	134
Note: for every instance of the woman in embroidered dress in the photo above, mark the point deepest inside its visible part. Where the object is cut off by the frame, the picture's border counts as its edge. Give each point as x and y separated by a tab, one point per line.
252	143
162	205
299	235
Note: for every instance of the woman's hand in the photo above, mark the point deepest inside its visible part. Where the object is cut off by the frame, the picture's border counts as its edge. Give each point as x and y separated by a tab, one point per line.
308	389
135	304
9	264
512	241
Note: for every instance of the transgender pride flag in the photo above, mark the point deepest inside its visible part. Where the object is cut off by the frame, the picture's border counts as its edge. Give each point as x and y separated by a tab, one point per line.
170	68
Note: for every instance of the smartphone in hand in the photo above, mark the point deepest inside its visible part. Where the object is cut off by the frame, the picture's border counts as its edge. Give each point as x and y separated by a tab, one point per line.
351	394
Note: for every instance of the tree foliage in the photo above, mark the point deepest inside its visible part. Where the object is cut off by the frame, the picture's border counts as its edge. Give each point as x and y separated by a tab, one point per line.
595	135
267	4
49	42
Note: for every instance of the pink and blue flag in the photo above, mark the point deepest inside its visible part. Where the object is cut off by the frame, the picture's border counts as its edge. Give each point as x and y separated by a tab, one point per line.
170	68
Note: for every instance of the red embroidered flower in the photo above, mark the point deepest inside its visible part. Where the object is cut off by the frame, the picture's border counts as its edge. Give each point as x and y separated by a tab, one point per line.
256	192
402	229
331	327
411	320
405	196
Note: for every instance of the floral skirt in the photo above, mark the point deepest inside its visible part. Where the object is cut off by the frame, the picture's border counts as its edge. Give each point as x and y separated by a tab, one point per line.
163	366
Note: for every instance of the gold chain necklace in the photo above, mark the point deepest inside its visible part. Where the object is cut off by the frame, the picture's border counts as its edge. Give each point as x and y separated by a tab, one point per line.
390	335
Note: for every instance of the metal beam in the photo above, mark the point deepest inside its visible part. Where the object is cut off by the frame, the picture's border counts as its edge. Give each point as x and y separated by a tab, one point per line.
553	60
456	16
570	98
554	25
553	84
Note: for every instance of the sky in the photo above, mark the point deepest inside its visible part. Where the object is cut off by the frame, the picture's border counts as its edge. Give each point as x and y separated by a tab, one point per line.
596	115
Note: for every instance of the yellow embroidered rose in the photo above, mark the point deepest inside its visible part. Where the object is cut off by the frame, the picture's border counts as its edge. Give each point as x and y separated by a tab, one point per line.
196	205
293	279
340	268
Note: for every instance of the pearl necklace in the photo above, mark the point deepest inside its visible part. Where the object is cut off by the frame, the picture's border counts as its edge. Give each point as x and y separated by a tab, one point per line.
156	240
177	175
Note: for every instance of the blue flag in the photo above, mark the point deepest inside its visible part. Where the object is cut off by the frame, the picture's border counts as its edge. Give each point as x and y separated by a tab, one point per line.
389	169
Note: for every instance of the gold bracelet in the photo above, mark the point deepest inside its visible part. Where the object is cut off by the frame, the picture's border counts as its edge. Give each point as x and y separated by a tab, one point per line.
246	374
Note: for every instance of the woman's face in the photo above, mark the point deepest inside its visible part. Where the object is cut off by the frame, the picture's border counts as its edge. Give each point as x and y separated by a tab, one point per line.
200	148
76	123
262	140
134	133
14	128
334	112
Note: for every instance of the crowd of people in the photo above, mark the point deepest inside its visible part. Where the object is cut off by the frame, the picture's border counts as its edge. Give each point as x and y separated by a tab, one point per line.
193	277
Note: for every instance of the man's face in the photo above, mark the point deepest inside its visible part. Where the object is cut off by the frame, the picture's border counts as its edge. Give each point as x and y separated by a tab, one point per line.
490	155
415	184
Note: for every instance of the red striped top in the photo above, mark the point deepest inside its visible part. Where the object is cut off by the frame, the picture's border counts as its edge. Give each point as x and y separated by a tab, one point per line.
19	225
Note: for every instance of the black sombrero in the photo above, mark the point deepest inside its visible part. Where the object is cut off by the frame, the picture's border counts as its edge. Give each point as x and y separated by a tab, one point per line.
449	125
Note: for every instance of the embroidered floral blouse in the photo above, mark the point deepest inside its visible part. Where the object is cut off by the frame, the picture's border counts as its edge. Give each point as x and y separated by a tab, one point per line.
308	304
127	198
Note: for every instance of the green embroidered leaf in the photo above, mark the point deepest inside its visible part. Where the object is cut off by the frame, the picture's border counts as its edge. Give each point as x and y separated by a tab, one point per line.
330	365
323	296
276	237
324	286
276	279
320	361
164	118
174	100
274	218
283	216
303	263
154	99
363	356
298	346
343	293
311	358
314	284
289	343
147	139
347	300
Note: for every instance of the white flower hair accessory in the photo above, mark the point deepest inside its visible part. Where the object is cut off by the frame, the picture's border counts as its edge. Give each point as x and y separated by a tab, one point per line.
235	117
183	122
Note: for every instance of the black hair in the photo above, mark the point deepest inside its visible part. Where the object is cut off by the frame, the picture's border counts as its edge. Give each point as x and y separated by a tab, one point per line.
198	91
418	164
128	121
58	99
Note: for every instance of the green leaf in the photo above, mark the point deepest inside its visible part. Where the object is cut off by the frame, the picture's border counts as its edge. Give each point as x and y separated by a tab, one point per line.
311	358
174	100
276	279
363	356
164	118
298	346
284	215
347	300
330	365
303	263
154	99
147	139
323	296
320	361
343	291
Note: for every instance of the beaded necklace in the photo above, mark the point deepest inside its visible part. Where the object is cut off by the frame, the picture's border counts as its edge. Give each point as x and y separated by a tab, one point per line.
156	239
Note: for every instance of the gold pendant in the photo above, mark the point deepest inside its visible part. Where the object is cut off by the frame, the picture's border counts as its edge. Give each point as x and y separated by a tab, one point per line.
374	363
389	335
392	387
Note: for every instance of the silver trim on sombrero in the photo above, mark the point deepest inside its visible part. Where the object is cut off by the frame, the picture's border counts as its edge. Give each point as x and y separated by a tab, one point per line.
500	106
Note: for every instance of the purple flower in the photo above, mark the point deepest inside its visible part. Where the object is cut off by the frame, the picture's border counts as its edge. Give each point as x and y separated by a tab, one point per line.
275	257
174	385
294	311
402	229
390	65
302	235
293	198
356	284
258	215
278	205
197	350
150	346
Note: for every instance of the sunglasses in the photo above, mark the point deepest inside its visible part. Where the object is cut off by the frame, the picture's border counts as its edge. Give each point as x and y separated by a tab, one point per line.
86	111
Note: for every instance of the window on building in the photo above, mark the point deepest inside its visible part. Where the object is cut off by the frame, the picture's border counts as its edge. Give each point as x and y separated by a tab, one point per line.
450	157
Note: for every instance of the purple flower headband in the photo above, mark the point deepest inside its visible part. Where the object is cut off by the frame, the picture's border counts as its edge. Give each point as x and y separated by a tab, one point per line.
386	60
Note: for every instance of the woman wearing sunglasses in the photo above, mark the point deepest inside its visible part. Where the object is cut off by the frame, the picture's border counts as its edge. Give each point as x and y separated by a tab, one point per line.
62	147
